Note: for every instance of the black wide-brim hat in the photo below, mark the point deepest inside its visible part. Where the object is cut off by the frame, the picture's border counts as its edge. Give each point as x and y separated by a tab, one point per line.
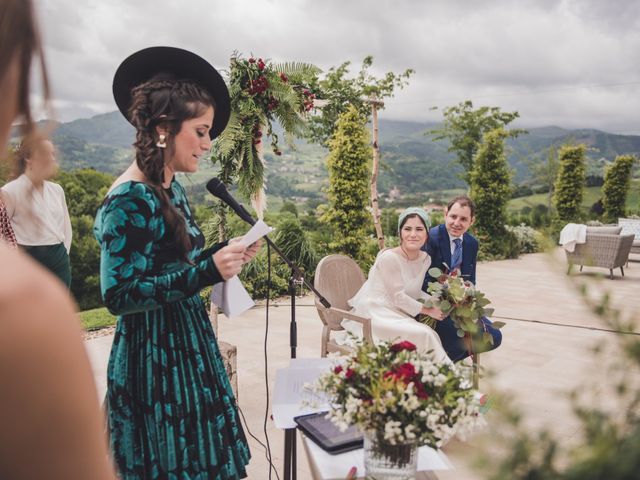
179	64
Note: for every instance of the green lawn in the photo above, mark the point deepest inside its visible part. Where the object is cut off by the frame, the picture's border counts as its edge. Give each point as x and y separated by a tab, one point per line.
96	319
591	196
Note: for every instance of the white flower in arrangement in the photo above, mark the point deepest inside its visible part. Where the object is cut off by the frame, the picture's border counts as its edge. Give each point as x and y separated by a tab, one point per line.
408	432
392	430
439	380
399	393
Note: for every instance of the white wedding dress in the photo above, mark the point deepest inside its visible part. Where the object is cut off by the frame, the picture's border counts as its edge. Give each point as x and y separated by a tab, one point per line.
389	298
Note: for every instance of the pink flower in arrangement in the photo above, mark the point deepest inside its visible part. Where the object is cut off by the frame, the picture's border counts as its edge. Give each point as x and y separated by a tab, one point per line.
349	373
338	369
403	345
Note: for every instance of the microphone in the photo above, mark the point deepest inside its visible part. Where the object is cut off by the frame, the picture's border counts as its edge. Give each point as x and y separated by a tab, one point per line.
219	190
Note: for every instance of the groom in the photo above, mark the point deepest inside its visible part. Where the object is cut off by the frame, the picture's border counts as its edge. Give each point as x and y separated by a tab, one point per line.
452	245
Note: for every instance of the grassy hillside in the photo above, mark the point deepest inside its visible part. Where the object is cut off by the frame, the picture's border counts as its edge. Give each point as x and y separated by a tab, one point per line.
410	161
592	194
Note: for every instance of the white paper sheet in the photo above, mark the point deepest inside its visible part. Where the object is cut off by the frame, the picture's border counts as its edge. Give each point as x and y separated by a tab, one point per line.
290	394
259	230
231	295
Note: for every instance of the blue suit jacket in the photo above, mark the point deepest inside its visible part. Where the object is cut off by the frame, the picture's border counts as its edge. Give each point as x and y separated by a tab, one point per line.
439	249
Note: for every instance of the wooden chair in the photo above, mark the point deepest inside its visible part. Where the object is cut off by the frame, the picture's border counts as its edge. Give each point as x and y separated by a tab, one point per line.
338	278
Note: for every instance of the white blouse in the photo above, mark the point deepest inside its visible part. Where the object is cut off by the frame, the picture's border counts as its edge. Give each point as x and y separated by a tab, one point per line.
38	216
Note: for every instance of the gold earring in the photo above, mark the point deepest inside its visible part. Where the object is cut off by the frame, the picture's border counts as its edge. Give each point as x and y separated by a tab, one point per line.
162	141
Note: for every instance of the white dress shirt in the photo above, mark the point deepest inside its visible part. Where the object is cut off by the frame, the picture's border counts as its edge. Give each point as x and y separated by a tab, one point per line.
38	216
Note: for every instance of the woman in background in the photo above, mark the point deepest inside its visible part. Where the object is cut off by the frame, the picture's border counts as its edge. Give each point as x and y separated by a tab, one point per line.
50	421
37	208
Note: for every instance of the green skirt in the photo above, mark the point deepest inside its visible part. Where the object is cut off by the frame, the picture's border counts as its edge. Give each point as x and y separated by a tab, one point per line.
54	258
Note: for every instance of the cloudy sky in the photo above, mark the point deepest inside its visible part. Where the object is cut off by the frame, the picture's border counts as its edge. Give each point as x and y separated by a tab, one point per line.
572	63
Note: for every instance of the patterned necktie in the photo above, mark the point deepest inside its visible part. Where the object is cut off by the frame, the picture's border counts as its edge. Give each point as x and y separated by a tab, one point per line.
456	257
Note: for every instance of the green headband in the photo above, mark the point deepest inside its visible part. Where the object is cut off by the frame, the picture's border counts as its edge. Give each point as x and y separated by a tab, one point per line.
414	211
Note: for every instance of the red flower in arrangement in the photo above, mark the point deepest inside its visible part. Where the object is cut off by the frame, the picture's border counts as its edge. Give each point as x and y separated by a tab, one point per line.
258	85
284	77
421	392
273	103
349	373
261	64
403	345
405	372
338	369
252	60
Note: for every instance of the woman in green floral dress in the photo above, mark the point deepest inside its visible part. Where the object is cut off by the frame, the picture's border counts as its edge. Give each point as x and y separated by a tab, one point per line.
172	413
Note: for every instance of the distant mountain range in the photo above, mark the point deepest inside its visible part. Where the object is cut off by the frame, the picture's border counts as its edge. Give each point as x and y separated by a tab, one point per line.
411	161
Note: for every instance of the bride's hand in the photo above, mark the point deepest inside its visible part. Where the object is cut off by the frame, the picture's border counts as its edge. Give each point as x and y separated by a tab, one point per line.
434	312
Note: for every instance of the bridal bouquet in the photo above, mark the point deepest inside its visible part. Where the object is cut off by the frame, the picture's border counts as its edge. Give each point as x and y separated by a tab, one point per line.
399	396
459	299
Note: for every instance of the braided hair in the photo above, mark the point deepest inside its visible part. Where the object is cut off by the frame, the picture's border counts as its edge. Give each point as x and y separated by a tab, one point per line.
168	102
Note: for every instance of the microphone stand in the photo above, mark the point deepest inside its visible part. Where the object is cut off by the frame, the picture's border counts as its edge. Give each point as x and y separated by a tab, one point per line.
297	278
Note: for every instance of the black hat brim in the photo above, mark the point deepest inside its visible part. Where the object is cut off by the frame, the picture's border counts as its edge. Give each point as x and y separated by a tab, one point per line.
181	64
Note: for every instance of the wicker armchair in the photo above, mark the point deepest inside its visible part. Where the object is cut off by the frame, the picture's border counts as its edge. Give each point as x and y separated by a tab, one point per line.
338	278
604	247
631	225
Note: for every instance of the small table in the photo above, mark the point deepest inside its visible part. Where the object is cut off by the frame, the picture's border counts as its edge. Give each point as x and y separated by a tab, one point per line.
287	404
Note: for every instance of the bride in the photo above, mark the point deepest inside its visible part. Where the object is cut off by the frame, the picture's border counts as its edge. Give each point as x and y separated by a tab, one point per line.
390	296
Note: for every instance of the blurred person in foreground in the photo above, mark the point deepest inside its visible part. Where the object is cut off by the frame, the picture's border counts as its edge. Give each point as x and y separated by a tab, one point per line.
50	421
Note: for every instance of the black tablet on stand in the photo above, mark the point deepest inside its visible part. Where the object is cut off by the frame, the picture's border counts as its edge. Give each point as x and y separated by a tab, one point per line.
328	436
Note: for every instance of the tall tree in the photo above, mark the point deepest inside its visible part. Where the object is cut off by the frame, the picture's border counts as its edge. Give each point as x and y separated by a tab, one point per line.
545	171
349	165
569	186
617	180
338	91
491	190
84	190
465	126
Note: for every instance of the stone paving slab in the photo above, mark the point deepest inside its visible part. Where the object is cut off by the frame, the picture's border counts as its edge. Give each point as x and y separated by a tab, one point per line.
545	352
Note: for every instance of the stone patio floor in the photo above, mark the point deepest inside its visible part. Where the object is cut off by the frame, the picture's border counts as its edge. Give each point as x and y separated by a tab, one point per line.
546	351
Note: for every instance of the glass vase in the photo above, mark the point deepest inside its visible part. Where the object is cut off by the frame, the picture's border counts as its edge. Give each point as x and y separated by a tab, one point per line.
383	461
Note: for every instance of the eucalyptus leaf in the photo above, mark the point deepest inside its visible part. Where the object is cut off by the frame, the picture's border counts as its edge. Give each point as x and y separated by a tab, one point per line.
435	272
498	324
